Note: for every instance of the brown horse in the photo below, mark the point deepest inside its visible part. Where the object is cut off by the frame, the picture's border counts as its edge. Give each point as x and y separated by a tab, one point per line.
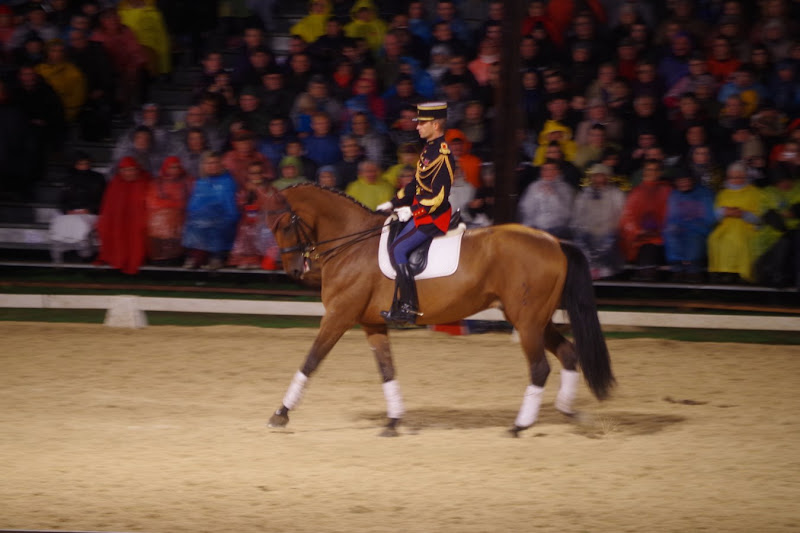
525	272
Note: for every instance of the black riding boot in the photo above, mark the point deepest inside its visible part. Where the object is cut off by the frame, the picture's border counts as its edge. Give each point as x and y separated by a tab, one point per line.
405	306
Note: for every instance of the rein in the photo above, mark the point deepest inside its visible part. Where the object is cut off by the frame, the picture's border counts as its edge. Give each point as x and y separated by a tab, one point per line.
306	245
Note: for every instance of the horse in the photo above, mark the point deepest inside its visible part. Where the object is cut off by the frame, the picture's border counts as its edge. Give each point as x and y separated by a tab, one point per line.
524	272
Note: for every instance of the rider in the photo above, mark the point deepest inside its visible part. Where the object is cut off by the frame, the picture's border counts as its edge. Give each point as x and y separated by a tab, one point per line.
423	205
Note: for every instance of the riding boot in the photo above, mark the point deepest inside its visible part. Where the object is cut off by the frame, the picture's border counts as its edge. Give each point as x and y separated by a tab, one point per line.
405	307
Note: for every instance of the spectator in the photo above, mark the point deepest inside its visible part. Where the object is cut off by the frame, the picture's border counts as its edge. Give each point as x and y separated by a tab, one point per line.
141	146
65	78
251	113
731	246
597	113
352	156
326	177
80	203
122	225
690	219
147	22
190	148
417	23
776	244
298	74
591	152
165	203
642	222
128	59
554	131
476	128
446	12
211	216
274	96
744	85
93	61
547	203
259	62
312	26
243	152
196	118
274	145
253	237
369	189
467	165
6	29
703	169
373	144
18	146
481	208
722	63
322	146
326	49
34	25
366	24
595	222
290	173
45	113
294	148
151	118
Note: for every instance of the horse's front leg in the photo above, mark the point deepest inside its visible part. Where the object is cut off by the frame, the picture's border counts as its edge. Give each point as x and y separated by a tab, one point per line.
378	340
330	331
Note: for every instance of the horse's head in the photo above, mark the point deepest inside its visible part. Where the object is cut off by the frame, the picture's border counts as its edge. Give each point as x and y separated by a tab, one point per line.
293	234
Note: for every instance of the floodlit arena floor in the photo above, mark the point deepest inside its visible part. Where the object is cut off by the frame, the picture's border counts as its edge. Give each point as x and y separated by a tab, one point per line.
163	429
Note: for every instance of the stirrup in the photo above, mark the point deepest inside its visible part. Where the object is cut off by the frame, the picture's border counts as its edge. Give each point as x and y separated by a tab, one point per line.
405	315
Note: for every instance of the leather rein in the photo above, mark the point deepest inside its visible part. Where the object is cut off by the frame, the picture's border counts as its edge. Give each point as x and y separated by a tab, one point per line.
306	244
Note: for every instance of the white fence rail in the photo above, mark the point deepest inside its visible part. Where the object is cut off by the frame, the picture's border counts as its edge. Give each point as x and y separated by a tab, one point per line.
129	311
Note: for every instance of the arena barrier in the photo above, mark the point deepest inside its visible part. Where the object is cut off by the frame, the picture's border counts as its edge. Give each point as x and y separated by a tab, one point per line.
130	312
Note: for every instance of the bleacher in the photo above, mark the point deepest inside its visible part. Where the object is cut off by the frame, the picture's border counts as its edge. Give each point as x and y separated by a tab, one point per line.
24	224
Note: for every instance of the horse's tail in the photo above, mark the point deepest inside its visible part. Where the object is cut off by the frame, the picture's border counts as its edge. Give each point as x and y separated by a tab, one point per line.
578	300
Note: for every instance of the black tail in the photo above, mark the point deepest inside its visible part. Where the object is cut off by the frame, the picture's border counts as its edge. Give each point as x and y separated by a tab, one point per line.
578	300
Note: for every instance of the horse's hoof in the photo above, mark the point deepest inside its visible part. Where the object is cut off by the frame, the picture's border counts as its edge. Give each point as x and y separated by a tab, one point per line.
389	432
566	411
515	431
278	421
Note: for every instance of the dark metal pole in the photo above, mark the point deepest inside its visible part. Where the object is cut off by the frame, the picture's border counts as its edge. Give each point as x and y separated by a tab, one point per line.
508	117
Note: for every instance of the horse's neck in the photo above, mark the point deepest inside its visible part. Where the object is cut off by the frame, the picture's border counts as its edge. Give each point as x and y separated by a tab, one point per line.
337	216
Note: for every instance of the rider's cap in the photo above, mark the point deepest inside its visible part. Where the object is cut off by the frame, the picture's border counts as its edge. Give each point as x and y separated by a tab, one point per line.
431	111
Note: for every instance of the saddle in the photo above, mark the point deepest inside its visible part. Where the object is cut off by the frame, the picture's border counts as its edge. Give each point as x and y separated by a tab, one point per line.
418	260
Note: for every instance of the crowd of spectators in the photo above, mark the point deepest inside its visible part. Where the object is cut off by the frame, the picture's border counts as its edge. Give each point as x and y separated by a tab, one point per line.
653	134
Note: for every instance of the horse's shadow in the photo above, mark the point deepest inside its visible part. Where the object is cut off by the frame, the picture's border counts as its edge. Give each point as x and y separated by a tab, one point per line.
590	425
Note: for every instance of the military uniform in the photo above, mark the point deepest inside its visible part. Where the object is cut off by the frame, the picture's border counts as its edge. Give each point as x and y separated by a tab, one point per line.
427	197
429	192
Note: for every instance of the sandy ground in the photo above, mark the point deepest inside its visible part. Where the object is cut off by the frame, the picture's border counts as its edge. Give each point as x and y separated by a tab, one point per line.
163	430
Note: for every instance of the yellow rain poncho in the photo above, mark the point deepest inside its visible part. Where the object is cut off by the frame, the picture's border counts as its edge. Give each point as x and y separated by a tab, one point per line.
567	144
312	26
147	23
731	246
373	30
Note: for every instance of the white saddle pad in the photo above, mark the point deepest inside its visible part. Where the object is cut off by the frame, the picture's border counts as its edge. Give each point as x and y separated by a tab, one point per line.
442	255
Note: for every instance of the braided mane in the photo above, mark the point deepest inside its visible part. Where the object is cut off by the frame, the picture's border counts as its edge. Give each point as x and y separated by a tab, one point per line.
333	191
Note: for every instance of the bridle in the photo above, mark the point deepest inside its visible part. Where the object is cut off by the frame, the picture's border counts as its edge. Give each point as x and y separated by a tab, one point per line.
307	246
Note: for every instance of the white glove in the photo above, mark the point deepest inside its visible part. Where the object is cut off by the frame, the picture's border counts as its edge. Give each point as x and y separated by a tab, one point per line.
385	206
403	213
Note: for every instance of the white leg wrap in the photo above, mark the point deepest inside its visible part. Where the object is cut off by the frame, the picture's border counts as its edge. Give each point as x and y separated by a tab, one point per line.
566	394
394	400
295	392
529	411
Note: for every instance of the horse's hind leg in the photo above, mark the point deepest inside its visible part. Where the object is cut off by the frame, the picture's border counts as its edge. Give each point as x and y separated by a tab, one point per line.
378	340
564	350
533	344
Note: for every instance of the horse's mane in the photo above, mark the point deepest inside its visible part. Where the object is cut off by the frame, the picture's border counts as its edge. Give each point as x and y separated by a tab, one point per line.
331	190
